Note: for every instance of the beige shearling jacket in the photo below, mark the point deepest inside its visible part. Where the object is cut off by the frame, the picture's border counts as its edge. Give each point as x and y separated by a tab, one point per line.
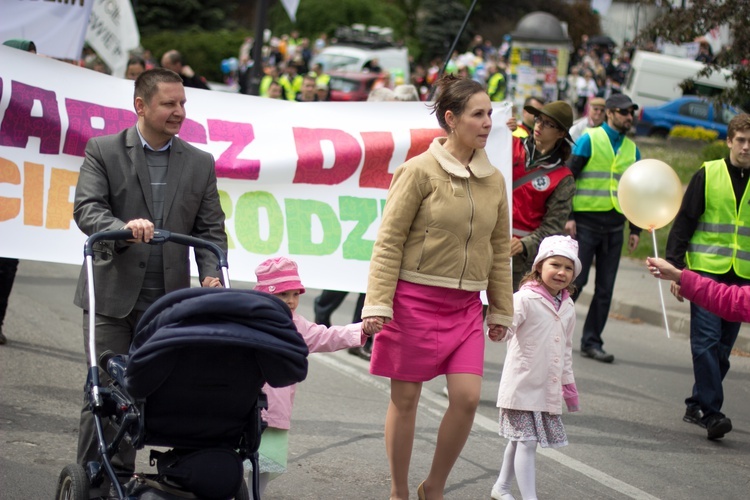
444	225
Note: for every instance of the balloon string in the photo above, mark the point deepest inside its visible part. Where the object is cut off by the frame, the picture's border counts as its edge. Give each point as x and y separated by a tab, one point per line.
661	292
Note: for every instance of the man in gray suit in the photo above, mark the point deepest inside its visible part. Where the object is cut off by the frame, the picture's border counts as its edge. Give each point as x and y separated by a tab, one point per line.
143	178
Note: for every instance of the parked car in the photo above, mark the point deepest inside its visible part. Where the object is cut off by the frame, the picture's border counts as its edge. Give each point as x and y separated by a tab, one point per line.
691	111
359	47
351	86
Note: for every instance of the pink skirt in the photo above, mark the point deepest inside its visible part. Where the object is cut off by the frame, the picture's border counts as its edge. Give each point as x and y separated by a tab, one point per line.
434	331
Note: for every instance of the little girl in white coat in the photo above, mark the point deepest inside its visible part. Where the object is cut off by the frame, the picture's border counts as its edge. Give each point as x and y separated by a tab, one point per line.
279	277
538	370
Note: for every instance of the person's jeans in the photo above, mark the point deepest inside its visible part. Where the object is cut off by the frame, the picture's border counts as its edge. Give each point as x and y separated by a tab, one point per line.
606	247
711	342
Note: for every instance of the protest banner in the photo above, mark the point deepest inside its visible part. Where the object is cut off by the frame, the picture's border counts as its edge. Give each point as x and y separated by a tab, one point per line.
306	180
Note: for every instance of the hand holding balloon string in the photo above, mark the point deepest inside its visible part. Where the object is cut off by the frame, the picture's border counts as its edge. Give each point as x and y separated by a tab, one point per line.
650	194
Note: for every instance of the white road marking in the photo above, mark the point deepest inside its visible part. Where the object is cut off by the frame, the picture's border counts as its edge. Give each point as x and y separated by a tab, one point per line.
438	403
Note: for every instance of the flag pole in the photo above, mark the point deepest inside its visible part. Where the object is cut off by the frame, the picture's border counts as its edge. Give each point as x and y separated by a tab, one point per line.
453	46
256	71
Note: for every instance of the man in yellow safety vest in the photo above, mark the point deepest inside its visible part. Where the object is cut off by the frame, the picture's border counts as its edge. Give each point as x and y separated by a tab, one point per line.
599	159
711	236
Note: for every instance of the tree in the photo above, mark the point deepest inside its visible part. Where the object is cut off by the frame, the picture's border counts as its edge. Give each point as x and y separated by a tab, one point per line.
157	15
682	25
438	27
324	16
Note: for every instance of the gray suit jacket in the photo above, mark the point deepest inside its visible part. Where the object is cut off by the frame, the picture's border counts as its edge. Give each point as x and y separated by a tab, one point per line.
114	187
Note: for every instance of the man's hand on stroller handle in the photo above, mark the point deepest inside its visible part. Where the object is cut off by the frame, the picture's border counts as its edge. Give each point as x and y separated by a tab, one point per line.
142	229
211	282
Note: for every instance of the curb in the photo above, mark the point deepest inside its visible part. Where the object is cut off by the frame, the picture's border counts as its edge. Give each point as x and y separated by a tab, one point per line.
679	322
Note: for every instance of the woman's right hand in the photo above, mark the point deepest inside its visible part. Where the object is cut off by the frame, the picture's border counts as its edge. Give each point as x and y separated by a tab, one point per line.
373	324
496	333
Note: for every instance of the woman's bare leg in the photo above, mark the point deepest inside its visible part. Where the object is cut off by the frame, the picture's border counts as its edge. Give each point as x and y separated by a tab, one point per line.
400	422
464	391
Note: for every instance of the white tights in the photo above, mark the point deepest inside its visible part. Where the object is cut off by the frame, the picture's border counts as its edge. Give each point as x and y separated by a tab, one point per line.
519	461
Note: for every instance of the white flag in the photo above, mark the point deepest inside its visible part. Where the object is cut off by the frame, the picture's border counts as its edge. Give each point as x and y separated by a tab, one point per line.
112	32
57	29
291	8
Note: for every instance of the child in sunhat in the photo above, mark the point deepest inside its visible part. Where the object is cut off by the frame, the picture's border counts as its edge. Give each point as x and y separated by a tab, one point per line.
538	370
279	277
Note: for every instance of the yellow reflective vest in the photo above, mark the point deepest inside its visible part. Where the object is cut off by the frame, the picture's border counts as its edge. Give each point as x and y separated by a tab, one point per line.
722	239
520	132
496	87
596	185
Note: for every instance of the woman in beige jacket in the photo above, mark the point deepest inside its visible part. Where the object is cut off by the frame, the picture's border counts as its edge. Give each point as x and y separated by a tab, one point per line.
444	237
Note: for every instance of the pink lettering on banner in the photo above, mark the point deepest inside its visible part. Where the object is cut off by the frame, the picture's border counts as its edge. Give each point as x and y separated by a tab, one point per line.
239	135
379	148
192	131
310	169
81	129
22	120
421	139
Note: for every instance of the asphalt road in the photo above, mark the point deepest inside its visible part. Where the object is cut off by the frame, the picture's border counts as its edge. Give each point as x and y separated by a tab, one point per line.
627	442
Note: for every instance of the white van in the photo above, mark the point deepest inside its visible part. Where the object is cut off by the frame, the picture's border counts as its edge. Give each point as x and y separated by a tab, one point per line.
394	60
655	79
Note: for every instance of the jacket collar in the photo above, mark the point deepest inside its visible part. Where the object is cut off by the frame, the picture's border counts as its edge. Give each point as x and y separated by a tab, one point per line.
535	159
480	165
544	293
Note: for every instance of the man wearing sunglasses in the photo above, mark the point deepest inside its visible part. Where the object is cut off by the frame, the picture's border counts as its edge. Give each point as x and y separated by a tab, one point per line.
600	157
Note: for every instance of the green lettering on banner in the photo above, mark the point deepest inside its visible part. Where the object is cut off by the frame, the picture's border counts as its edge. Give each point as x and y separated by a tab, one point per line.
228	208
299	214
365	212
247	223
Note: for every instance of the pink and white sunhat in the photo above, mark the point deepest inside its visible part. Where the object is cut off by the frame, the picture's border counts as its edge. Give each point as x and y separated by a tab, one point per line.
278	275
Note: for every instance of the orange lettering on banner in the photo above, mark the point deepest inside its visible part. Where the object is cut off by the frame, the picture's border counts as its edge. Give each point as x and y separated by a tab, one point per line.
59	206
33	194
9	174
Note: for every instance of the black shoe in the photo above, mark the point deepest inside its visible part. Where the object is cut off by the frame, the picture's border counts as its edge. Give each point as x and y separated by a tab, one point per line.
361	352
3	340
598	354
694	415
717	425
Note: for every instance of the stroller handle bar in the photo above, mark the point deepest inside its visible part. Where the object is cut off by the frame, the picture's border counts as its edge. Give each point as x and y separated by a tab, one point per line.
160	237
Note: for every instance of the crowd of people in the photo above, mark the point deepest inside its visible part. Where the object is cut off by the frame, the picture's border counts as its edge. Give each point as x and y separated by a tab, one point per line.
447	233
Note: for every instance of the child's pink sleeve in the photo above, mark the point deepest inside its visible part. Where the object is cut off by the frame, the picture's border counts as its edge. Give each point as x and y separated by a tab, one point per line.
321	338
570	395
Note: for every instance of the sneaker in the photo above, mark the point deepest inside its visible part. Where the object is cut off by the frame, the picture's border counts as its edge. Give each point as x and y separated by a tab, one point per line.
717	425
694	415
496	494
598	354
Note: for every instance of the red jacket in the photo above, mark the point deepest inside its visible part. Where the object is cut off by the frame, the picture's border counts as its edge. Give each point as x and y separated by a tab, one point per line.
530	199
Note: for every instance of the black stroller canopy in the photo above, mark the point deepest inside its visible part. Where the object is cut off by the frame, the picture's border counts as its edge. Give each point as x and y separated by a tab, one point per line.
223	318
199	359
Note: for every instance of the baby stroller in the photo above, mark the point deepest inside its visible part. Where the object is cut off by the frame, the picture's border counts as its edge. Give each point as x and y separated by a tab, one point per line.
191	382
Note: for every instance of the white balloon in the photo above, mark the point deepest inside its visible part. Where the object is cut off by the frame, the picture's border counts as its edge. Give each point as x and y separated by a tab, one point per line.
650	193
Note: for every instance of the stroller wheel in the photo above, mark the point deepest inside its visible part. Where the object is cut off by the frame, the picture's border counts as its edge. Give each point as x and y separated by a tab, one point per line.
73	484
